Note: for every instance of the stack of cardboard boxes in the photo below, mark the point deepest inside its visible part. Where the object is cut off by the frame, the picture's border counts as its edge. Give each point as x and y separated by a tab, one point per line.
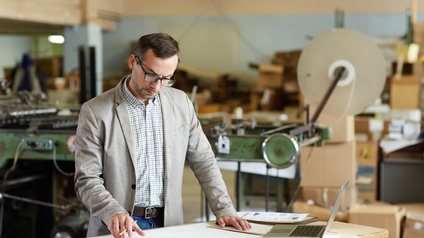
401	220
379	215
324	169
368	132
405	92
370	209
374	209
268	92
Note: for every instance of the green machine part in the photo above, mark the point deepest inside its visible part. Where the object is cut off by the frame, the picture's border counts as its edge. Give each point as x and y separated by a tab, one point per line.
326	133
41	181
45	145
247	147
278	150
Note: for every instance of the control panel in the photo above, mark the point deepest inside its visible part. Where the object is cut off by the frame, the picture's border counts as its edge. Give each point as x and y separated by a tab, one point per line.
37	144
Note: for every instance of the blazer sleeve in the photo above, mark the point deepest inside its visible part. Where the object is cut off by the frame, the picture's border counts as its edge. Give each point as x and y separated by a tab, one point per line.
89	167
202	161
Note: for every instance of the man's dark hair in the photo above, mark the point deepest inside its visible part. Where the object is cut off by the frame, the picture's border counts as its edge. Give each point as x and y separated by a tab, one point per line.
163	46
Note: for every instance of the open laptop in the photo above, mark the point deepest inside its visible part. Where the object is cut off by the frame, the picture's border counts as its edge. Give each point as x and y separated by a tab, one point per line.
308	231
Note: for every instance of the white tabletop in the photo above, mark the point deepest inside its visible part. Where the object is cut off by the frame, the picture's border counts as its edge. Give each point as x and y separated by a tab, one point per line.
210	230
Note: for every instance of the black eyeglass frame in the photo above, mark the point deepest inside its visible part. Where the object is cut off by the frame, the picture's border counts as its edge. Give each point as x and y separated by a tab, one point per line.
171	81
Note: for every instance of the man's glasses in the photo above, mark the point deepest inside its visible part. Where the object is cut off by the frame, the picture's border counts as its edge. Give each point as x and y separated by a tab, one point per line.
153	78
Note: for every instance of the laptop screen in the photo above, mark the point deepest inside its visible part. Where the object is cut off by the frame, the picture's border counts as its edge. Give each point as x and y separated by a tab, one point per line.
336	205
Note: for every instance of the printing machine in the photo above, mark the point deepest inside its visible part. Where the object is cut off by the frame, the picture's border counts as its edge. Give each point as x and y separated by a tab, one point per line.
37	197
246	141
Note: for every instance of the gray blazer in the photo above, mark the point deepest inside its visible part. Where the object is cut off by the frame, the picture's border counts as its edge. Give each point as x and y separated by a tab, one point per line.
105	159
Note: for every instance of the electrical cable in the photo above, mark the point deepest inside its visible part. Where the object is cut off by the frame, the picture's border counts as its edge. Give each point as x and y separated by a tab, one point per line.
57	166
37	202
307	160
13	167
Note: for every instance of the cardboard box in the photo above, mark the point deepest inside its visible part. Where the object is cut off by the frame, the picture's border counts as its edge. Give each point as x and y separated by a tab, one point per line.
273	100
405	92
287	58
343	129
370	128
322	213
367	153
270	77
414	225
413	207
208	108
328	166
379	215
366	184
366	176
52	67
326	196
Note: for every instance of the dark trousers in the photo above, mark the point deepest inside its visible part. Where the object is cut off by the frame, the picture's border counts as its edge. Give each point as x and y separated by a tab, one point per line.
150	223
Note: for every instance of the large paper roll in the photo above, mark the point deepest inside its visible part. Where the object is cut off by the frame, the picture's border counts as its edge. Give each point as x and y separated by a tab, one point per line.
361	84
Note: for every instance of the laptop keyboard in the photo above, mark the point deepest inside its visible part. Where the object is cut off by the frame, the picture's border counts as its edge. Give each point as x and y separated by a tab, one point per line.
312	231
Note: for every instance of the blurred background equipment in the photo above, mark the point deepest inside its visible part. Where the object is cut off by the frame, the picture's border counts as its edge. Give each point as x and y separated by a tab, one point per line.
36	162
329	68
26	76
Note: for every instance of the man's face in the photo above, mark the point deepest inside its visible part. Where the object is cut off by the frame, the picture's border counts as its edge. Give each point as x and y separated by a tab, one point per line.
151	66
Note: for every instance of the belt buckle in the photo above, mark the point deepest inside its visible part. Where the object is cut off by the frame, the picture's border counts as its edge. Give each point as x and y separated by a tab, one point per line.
149	212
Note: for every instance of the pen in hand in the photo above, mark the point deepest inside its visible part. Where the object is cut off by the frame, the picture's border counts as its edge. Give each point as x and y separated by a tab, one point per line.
124	230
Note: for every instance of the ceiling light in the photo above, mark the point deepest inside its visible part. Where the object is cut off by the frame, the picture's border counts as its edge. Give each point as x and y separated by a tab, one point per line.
56	39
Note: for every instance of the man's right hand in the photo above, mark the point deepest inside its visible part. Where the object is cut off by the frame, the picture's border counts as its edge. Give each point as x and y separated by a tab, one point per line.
121	222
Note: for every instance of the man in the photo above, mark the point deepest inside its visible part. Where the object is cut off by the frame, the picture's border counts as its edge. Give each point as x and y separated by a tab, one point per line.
132	143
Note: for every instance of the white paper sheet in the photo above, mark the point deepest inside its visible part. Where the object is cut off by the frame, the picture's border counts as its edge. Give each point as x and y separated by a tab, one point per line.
273	217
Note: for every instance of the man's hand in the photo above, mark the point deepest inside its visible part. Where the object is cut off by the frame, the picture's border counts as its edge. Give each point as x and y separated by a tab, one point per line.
235	221
122	221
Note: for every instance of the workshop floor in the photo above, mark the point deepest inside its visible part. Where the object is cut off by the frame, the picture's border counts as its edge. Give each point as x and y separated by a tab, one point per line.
194	208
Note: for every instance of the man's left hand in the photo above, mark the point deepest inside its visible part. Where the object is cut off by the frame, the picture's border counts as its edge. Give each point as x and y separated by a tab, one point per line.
235	221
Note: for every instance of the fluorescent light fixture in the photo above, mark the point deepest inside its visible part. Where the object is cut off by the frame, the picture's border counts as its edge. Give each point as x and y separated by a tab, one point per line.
56	39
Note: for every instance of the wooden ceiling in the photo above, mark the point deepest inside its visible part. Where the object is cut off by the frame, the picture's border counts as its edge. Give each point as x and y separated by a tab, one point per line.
8	26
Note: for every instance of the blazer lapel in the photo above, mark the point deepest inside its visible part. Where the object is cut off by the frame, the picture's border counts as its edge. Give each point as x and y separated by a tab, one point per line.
167	128
124	120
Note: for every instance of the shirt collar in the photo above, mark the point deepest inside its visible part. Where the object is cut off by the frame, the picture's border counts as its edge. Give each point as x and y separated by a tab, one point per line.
131	99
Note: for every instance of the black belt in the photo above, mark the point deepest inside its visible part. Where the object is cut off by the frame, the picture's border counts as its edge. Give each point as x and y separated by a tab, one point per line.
147	212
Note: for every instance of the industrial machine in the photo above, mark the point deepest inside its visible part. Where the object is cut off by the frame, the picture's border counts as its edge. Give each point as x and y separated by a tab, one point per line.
278	147
342	65
36	170
37	196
